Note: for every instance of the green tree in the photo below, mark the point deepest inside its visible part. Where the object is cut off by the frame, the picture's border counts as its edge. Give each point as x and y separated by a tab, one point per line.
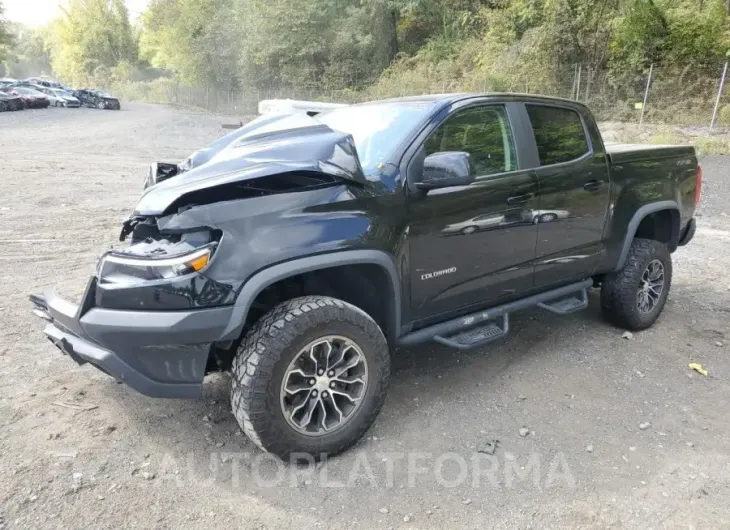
29	54
197	39
6	38
90	39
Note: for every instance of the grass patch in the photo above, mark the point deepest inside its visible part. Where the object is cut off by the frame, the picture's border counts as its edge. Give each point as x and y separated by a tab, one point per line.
704	145
712	146
668	138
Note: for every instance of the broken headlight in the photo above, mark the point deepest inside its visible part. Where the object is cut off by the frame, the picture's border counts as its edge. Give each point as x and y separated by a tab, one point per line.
126	268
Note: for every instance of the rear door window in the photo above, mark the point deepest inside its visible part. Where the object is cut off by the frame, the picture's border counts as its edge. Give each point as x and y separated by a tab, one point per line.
559	134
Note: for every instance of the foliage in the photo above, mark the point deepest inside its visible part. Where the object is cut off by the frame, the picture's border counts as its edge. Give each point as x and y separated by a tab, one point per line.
306	42
29	55
91	41
377	48
6	37
723	116
197	39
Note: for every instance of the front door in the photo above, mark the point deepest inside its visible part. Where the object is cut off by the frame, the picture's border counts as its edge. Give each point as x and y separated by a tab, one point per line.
472	245
574	195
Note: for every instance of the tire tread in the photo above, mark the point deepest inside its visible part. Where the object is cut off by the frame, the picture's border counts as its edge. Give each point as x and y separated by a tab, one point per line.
618	292
261	350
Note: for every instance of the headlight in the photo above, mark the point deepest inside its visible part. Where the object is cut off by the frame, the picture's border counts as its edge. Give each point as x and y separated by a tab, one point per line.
115	268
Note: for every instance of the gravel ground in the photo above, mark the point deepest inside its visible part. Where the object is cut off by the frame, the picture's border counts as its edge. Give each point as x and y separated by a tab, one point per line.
594	429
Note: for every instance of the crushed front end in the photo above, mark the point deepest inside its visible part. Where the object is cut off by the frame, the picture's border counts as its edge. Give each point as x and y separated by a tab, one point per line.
149	317
166	310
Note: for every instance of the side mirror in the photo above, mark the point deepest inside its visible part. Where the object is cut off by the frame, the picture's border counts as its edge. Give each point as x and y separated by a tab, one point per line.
447	169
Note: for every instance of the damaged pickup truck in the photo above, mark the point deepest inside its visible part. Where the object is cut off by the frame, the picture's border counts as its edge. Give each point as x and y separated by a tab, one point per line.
298	251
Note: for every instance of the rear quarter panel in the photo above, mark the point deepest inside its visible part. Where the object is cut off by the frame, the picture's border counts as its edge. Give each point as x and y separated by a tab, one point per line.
640	176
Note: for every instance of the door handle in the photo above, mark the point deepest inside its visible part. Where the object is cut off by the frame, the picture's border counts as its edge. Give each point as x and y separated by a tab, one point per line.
520	199
592	185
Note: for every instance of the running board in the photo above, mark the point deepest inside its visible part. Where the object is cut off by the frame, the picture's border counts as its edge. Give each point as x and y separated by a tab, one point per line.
567	305
478	329
478	336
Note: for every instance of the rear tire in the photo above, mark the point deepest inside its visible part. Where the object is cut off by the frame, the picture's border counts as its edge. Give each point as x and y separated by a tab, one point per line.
272	354
630	298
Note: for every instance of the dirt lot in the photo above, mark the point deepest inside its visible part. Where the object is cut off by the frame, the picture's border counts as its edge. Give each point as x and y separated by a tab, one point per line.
621	433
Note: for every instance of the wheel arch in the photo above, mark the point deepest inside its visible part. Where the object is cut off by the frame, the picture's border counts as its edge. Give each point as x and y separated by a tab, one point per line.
256	284
641	217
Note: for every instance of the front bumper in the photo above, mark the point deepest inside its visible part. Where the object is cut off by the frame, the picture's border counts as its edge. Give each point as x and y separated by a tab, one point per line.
688	233
160	354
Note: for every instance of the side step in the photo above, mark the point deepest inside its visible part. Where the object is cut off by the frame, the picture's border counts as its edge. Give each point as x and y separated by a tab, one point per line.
567	305
478	336
480	328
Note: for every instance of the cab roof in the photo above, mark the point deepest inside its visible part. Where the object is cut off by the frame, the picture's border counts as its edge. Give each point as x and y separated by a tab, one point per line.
443	100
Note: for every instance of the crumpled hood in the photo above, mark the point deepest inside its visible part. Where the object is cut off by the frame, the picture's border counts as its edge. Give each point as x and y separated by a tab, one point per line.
269	146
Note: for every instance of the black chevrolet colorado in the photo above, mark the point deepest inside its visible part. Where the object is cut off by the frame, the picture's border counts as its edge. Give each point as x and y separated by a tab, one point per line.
298	251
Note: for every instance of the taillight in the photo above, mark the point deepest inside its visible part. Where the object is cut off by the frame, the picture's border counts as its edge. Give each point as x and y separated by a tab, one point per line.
698	186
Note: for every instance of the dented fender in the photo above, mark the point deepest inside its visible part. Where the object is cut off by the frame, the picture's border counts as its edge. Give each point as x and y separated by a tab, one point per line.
259	232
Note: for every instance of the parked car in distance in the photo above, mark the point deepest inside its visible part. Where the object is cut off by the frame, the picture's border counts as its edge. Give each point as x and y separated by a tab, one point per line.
97	99
10	102
59	97
43	81
54	101
32	99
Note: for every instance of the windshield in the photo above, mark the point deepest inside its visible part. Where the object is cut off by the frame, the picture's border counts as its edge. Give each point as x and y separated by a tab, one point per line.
377	128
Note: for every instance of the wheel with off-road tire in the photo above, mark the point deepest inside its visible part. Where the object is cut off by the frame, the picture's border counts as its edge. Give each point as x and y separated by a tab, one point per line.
633	298
310	377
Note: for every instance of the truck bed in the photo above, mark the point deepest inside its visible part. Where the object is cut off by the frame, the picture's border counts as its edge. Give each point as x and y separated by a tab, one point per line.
622	153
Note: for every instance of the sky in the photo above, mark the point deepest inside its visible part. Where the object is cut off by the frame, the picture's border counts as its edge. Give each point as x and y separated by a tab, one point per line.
41	12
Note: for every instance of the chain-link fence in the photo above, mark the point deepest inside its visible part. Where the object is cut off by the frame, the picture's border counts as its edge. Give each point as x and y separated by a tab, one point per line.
688	95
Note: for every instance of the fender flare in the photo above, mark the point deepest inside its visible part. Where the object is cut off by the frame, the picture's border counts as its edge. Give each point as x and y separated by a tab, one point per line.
636	219
262	279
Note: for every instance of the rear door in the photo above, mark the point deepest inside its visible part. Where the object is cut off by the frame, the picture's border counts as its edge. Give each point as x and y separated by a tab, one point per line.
574	193
470	245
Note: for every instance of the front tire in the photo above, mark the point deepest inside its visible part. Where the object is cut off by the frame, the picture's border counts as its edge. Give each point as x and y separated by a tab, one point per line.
310	377
634	297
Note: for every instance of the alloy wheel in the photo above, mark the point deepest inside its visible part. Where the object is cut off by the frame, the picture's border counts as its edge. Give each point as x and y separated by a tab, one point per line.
323	386
650	287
